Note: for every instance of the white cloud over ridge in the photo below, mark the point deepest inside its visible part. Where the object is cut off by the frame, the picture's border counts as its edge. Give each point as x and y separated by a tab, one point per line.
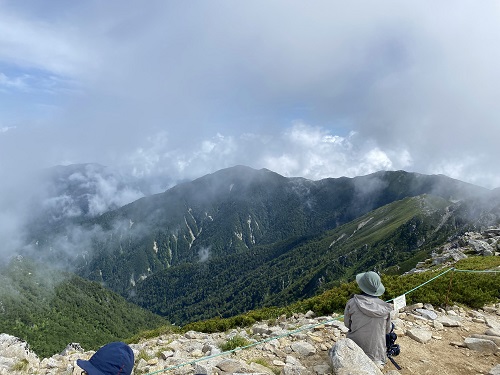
301	150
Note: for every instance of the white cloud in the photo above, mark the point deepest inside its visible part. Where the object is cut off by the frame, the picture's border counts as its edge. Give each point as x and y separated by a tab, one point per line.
16	83
330	90
300	150
5	129
32	43
168	88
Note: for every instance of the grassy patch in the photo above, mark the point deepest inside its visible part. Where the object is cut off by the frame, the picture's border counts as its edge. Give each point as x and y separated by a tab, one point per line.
21	365
265	363
233	343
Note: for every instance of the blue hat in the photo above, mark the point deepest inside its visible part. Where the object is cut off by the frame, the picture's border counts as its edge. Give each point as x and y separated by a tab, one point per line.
370	283
116	358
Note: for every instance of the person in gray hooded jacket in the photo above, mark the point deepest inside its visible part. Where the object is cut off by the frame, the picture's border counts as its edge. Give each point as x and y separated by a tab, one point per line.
369	318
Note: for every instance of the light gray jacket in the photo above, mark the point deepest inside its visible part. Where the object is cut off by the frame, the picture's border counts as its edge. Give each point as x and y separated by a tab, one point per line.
368	319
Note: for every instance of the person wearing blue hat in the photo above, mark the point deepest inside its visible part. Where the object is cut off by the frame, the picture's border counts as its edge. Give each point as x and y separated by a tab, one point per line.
116	358
368	318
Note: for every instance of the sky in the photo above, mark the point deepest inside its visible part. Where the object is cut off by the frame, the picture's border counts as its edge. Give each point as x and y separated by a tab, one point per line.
304	88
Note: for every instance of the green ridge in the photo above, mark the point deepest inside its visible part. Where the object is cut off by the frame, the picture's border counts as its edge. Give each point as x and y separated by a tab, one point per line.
50	309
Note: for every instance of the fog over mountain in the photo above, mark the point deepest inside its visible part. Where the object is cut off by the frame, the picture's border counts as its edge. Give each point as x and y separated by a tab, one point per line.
167	92
321	90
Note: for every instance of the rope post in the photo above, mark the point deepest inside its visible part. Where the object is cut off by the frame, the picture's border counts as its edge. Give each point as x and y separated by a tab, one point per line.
449	288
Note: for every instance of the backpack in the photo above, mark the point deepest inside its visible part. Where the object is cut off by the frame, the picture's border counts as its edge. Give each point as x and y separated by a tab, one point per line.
393	349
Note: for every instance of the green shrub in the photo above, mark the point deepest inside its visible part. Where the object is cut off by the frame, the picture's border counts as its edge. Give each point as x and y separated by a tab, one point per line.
143	355
471	289
233	343
148	334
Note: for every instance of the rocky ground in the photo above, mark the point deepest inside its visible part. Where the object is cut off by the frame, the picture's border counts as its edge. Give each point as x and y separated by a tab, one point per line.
433	341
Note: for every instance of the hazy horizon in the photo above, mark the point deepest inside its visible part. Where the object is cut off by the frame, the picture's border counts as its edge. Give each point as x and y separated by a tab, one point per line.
312	90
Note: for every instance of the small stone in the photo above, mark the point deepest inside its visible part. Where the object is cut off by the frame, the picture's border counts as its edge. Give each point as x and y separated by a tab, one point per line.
303	348
310	314
413	307
495	339
167	354
448	322
230	366
420	335
291	360
428	314
197	353
152	361
261	329
438	325
490	309
321	369
492	332
495	370
480	345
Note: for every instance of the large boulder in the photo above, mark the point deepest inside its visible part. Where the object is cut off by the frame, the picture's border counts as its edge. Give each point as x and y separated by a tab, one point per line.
347	358
481	247
481	345
16	356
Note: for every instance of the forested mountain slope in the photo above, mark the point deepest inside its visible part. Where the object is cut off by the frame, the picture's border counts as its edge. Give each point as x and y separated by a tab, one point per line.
50	309
226	213
392	238
242	238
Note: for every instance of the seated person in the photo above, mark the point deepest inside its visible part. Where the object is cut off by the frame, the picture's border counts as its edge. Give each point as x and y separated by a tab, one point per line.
369	318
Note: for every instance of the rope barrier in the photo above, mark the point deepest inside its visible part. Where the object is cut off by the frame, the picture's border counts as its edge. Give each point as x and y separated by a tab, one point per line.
477	271
306	328
247	346
427	282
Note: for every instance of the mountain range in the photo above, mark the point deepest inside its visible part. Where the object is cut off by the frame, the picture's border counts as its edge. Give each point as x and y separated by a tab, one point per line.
241	238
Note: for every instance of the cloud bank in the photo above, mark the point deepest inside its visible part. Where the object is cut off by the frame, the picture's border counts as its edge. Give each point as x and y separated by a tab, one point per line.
305	89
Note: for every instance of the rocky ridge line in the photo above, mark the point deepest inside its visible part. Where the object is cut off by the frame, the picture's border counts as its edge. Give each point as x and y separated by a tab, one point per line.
485	243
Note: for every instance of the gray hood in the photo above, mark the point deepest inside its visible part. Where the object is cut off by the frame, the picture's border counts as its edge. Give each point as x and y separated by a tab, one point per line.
372	306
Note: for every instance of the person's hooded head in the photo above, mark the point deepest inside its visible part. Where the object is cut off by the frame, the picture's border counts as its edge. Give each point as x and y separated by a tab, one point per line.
370	283
116	358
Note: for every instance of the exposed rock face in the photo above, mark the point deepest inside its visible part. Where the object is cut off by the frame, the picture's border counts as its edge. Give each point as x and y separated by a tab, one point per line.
481	247
319	347
486	243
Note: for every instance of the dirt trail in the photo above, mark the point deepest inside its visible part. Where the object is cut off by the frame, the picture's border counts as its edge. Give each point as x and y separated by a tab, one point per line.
440	357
